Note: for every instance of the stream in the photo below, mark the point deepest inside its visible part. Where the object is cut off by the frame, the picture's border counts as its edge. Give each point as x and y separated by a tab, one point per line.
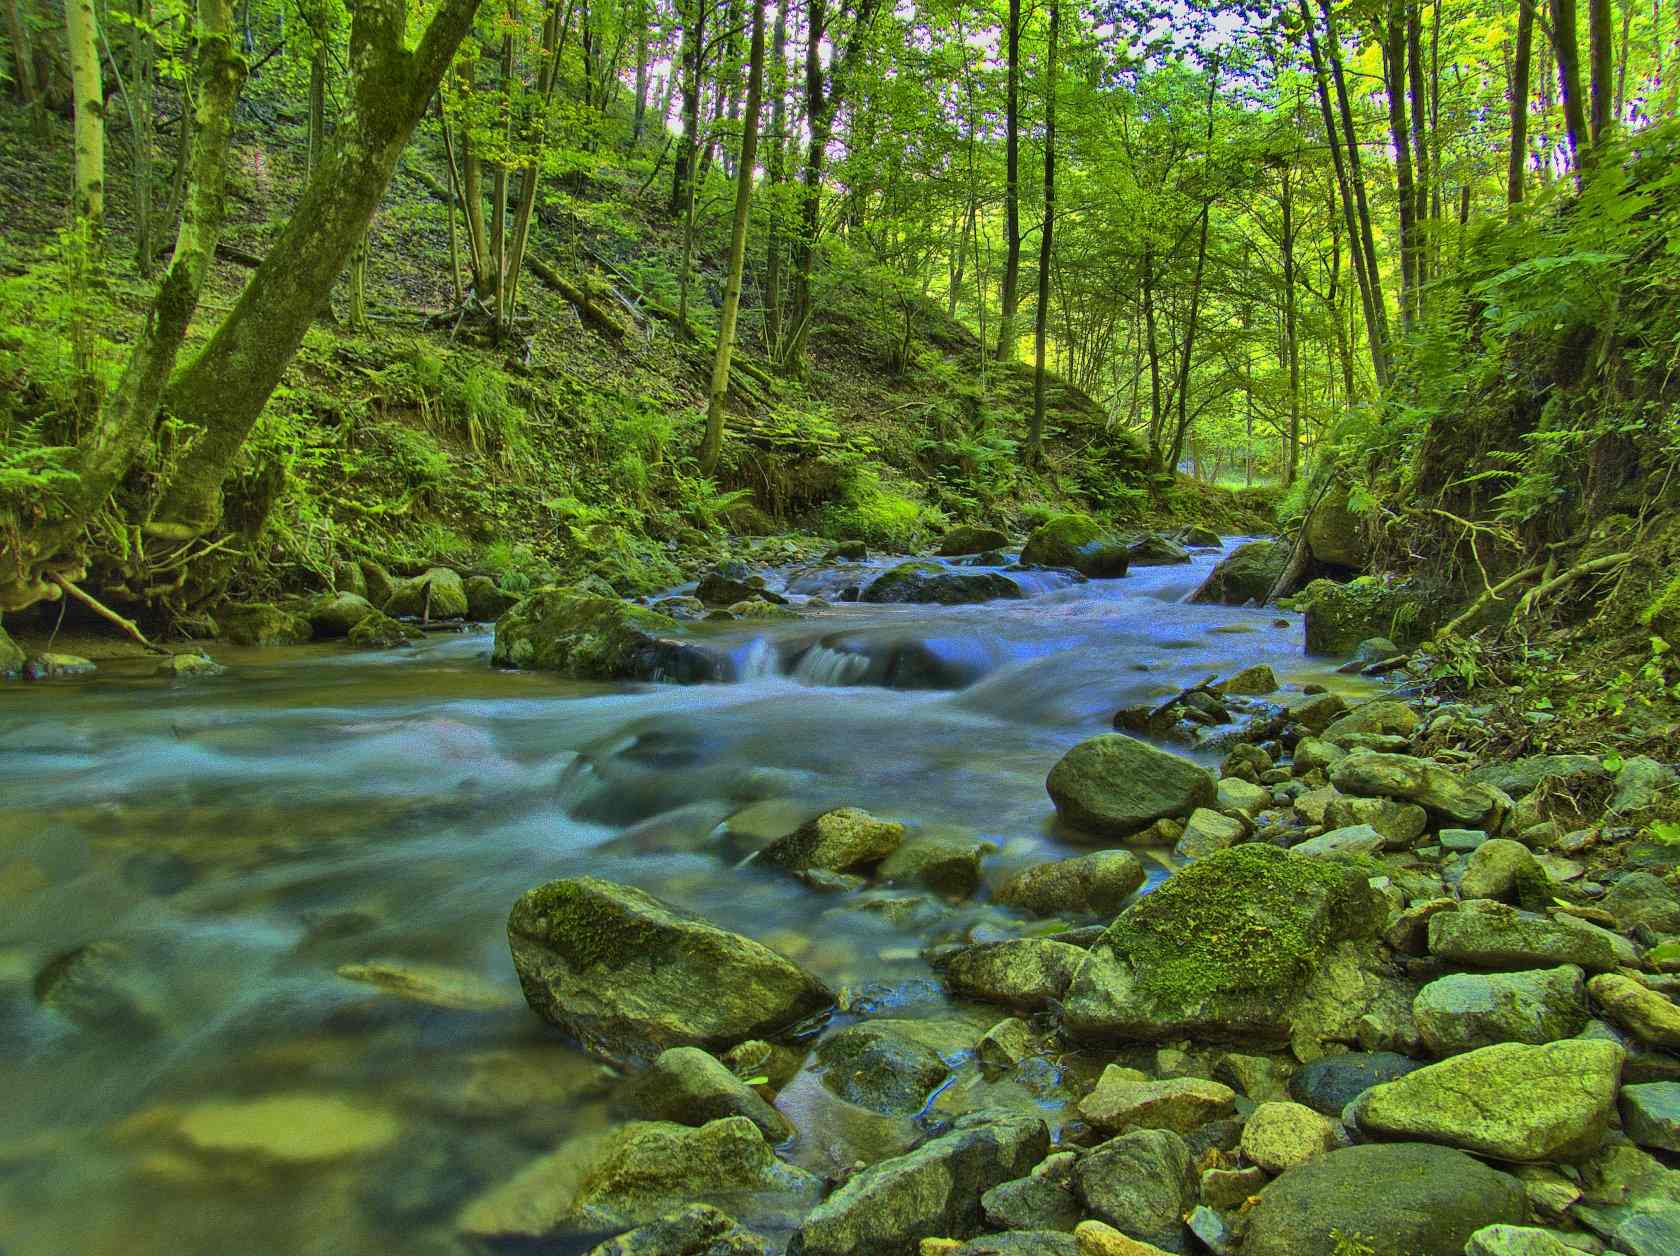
189	865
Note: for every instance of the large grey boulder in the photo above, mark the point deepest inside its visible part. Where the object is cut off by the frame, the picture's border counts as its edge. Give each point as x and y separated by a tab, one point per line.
629	976
1403	1199
1246	574
1233	946
1464	1011
1509	1102
1113	786
931	1192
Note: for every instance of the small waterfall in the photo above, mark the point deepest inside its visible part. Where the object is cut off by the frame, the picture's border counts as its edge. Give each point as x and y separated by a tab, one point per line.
759	661
823	667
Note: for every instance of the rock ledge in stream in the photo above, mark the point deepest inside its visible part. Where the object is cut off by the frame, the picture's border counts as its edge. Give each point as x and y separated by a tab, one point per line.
1246	943
929	582
629	976
594	638
1113	786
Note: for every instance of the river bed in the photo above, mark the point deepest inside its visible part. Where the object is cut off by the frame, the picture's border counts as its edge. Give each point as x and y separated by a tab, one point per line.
204	857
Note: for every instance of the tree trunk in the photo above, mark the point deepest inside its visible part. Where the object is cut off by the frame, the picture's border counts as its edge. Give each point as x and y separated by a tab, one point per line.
713	444
776	178
1035	434
1377	328
1182	428
82	39
555	26
639	118
1566	44
23	63
1291	349
142	60
1521	66
1601	52
693	43
1011	191
1420	151
125	423
225	387
1370	294
1394	63
822	104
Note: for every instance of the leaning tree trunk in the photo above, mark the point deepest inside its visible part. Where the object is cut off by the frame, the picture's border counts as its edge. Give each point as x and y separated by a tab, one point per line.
223	390
125	422
712	445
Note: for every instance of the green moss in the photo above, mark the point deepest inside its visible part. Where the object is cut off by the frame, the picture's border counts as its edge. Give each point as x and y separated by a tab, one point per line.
588	928
1249	920
578	633
1663	614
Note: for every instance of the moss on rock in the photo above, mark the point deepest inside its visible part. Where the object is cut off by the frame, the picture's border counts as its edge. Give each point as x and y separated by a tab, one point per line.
1076	541
591	637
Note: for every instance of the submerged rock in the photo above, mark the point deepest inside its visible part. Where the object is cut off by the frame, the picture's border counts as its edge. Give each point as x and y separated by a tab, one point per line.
629	976
289	1129
595	638
1113	785
185	666
1228	947
882	1065
931	1192
1403	1199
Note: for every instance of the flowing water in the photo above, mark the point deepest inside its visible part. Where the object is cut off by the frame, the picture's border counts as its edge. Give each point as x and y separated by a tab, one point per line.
185	868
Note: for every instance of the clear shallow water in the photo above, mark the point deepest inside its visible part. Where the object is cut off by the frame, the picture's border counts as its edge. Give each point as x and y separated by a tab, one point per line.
227	845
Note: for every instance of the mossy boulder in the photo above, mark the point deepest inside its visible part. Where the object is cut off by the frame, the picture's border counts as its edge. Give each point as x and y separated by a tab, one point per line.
486	601
629	976
1228	947
377	583
644	1169
1113	786
929	582
591	637
842	840
1155	550
1246	574
1335	534
1342	616
969	539
438	594
1401	1199
1076	541
733	583
758	608
11	656
262	624
1096	884
379	631
335	614
1511	1101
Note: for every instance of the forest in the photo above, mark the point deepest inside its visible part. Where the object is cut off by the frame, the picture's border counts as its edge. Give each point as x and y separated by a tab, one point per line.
681	627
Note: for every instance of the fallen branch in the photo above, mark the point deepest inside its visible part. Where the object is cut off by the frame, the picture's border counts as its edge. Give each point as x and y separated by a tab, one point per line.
1492	595
596	315
105	612
1590	568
